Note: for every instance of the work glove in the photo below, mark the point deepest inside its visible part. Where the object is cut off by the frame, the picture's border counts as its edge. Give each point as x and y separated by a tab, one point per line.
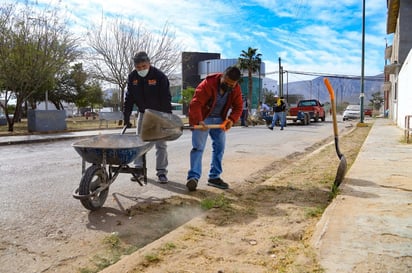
227	124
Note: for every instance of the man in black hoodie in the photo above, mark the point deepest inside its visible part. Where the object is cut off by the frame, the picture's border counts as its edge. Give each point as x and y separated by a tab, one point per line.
148	88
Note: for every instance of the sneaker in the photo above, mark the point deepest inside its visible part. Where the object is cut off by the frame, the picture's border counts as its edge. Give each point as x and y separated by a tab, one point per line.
162	179
191	184
139	173
218	183
281	129
270	128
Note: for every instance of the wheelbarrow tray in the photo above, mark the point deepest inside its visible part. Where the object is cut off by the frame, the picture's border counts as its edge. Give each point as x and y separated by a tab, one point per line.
112	149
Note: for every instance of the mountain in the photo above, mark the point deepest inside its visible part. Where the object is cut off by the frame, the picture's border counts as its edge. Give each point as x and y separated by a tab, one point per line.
346	89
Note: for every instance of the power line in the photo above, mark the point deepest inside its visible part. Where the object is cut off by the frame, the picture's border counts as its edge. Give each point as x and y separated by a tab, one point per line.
341	76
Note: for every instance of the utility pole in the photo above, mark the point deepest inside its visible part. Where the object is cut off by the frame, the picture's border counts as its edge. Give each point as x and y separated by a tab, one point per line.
287	85
280	79
362	95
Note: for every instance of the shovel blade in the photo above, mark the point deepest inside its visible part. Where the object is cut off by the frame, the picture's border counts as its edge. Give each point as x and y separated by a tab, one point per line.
158	125
340	173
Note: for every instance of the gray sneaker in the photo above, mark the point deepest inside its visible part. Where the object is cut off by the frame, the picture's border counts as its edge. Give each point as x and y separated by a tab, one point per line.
162	179
191	184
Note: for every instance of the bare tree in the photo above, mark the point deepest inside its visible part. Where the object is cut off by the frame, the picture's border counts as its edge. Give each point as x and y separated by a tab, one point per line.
115	41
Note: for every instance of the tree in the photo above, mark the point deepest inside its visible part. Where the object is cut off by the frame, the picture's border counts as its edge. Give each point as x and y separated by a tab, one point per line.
70	87
376	101
114	42
112	100
250	61
270	99
35	47
94	95
187	95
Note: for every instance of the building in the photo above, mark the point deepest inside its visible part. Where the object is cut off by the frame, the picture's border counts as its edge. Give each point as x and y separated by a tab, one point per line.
197	65
398	62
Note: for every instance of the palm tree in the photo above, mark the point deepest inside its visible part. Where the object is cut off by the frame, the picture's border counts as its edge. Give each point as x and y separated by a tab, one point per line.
250	61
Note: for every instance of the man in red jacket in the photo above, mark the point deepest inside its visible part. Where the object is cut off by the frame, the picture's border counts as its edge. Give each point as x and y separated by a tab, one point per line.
213	98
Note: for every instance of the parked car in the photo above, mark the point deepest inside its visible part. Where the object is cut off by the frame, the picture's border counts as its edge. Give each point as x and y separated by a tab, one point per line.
313	108
90	114
352	111
368	112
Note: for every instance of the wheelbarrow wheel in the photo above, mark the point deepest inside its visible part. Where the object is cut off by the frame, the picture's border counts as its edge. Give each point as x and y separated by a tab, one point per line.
93	178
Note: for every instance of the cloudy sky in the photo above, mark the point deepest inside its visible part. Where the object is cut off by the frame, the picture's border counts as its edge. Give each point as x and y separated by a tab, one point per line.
322	36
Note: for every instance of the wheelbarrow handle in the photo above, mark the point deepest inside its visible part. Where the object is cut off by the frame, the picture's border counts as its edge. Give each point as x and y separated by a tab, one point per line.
123	130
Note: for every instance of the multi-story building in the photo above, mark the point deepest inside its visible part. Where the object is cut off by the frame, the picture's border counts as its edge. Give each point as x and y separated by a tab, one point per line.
398	61
197	65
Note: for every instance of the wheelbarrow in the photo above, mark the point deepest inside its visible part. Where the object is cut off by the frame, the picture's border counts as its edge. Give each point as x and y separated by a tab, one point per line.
108	155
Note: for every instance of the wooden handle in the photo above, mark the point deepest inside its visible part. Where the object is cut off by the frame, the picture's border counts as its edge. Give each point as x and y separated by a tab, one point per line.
210	126
333	105
330	89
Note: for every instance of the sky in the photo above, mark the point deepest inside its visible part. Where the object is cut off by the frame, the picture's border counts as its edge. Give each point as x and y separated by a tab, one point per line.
321	36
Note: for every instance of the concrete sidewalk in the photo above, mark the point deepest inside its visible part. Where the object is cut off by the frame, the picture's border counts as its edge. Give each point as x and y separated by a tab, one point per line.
368	227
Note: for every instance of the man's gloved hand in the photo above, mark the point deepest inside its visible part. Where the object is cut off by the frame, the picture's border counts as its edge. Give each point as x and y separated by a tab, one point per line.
227	124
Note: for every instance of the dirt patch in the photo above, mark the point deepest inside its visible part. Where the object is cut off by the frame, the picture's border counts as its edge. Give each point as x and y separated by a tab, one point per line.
265	225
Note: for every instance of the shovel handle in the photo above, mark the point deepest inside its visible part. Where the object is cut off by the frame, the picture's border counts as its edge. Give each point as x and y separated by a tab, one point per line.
208	126
330	88
333	105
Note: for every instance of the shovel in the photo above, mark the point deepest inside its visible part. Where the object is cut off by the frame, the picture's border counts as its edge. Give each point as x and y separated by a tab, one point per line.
165	126
340	174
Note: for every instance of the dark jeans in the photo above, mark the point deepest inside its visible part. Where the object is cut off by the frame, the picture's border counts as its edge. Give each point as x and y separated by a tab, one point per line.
243	118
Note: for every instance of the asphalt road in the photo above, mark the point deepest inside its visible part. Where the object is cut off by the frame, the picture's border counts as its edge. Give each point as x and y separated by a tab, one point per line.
39	216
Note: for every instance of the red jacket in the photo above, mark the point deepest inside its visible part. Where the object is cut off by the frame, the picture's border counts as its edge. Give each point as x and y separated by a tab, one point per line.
204	100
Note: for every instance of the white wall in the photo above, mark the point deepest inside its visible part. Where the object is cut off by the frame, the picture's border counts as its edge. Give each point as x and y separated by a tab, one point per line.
404	102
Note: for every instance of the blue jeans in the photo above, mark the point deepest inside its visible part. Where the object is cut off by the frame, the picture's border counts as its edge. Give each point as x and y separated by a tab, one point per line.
279	116
243	118
199	138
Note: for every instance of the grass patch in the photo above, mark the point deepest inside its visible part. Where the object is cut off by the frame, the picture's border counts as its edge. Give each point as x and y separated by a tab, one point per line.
219	201
313	212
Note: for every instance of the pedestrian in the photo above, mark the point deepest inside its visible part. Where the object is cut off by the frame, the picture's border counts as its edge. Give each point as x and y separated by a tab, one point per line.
245	112
278	115
286	109
264	109
213	98
148	88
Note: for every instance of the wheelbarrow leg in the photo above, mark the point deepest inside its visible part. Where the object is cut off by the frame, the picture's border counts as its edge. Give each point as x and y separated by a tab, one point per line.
144	168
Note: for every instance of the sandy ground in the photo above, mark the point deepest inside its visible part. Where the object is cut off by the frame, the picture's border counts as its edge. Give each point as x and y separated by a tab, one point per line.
264	226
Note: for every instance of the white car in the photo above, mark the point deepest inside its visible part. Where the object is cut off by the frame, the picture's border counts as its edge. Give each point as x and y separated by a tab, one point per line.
352	111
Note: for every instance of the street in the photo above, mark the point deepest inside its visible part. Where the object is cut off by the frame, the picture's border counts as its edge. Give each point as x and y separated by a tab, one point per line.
42	224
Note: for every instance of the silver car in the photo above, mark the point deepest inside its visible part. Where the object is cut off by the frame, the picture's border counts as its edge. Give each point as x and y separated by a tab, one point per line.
352	111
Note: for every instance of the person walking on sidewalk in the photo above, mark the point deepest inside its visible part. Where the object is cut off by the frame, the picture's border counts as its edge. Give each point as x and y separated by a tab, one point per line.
213	98
245	112
148	88
278	115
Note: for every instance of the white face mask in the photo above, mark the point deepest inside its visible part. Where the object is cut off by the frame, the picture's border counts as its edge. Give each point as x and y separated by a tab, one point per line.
143	73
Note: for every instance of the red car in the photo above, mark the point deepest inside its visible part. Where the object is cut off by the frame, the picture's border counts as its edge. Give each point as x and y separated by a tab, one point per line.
367	112
90	114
